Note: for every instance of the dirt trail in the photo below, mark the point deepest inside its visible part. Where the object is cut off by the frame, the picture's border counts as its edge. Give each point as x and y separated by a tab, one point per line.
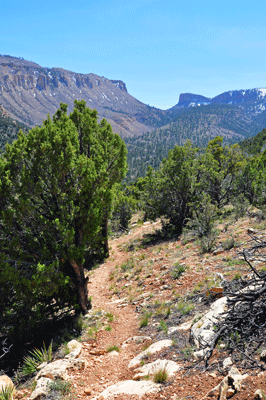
105	368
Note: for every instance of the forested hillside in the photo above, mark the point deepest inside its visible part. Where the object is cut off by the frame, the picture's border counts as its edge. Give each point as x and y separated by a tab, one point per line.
256	144
9	128
198	124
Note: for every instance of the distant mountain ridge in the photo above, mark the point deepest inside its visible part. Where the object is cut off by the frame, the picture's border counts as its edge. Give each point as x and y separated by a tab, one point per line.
29	92
254	99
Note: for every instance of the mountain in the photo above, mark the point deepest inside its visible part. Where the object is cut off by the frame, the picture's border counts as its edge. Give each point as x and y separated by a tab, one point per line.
29	92
253	100
198	124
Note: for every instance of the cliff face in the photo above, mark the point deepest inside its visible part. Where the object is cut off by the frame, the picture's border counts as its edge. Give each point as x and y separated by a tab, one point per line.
187	99
29	92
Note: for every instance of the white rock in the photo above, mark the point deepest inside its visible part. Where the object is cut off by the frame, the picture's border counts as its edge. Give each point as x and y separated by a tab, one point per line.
114	353
118	301
171	368
200	353
183	327
237	378
259	395
130	388
153	348
227	362
6	382
41	389
203	331
58	369
75	348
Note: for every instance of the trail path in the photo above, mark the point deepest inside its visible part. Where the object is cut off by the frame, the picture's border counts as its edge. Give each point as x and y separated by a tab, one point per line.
106	368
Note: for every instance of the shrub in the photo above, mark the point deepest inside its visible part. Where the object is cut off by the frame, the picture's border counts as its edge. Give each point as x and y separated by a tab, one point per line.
7	393
177	270
145	319
108	328
113	347
185	307
63	387
163	327
36	357
161	375
229	243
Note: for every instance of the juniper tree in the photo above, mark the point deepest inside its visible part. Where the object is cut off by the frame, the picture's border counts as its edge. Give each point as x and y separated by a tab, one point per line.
56	188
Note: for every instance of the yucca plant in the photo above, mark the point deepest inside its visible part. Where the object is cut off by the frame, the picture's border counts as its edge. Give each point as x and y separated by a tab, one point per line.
7	393
35	358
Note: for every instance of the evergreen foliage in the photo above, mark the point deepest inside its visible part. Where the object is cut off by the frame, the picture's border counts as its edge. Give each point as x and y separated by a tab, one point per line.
56	189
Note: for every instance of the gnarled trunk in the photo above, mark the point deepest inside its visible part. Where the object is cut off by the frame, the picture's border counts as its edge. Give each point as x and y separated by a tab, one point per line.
81	287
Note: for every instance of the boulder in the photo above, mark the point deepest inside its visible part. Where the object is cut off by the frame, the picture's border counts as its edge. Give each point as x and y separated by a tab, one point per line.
41	389
203	331
150	369
129	388
231	384
58	369
75	348
153	348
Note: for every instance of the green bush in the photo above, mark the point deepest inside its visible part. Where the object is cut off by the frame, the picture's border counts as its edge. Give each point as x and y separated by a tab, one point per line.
145	319
177	270
161	375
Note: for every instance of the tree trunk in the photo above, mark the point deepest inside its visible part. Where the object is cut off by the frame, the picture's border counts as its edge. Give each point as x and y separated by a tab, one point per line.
105	236
81	286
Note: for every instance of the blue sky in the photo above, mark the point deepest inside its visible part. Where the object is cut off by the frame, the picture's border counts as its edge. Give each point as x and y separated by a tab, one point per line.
159	48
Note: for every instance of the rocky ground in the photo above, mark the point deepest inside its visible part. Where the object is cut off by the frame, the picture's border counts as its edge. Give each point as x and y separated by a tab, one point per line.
151	291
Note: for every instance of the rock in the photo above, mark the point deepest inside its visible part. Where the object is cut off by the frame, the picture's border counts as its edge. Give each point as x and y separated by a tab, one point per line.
153	348
41	389
138	339
203	330
171	368
258	395
227	362
129	388
87	390
263	355
200	353
230	393
58	369
183	327
251	231
216	292
42	365
231	384
114	353
237	378
223	389
5	383
98	352
75	348
213	393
